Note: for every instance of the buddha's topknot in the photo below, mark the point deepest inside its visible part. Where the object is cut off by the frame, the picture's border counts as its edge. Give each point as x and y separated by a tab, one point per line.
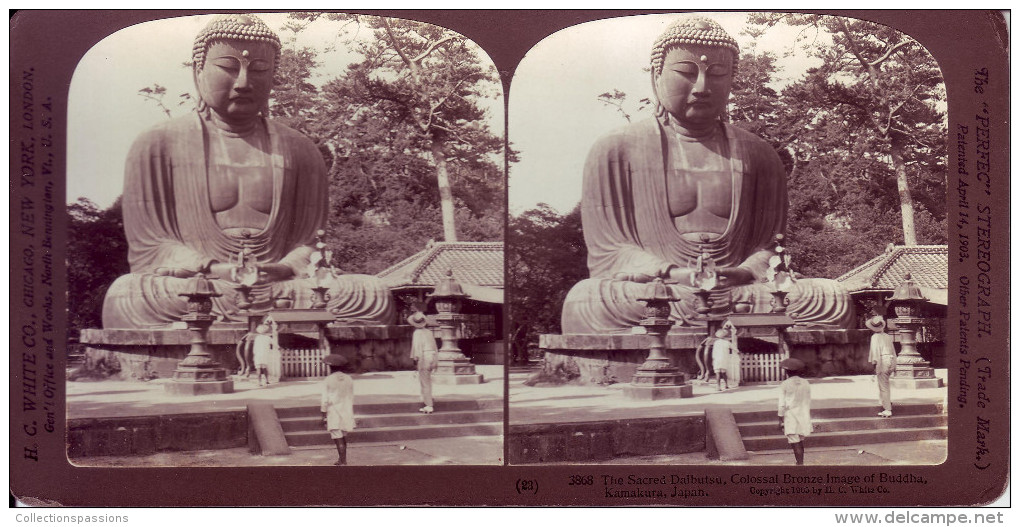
692	30
233	27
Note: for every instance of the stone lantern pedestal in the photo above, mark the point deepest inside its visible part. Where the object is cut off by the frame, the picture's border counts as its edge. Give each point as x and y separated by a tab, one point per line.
657	378
453	367
912	371
199	373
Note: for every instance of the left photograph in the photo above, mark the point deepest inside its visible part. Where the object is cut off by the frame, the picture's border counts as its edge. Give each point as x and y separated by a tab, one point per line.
285	245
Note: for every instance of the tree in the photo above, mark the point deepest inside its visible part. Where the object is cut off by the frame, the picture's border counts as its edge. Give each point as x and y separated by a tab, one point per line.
618	99
874	78
410	107
399	127
546	255
96	256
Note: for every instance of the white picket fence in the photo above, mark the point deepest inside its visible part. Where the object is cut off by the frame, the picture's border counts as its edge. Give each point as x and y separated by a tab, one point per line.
761	367
297	364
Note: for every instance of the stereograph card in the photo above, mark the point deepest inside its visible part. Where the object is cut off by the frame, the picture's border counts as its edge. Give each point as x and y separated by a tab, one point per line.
835	126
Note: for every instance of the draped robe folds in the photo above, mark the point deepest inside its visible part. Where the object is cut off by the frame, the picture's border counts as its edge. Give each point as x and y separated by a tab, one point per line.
170	224
628	229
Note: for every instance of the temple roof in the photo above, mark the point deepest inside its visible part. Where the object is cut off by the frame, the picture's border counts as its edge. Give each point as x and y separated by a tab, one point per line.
928	266
472	263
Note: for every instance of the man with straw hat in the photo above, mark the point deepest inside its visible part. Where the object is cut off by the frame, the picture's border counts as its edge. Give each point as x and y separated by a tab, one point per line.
795	407
338	405
424	353
883	356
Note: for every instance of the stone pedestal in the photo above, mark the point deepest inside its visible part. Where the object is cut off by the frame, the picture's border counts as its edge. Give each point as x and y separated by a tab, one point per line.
455	368
650	392
915	376
657	377
199	375
200	388
912	371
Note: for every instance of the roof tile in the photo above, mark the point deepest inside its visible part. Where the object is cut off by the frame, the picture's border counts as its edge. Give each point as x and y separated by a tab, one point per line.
475	263
928	266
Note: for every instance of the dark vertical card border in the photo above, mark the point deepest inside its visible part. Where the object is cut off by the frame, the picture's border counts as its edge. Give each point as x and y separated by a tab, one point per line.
970	47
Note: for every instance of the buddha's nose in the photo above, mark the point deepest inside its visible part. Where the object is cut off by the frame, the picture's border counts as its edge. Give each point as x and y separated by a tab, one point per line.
700	85
242	84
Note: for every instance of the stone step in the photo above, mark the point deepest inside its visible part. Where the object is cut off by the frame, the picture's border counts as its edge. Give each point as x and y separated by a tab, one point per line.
397	408
314	422
850	424
396	433
844	412
826	439
528	368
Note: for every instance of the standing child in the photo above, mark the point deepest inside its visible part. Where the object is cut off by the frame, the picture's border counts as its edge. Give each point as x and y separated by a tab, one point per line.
243	350
883	356
795	407
721	358
338	405
424	354
262	349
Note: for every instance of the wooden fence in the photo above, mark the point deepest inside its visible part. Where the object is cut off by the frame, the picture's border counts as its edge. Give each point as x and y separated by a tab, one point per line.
300	364
761	367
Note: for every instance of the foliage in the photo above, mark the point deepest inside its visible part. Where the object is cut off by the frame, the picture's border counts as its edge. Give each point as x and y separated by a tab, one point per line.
861	135
96	256
545	257
407	143
618	99
871	113
401	125
157	95
401	129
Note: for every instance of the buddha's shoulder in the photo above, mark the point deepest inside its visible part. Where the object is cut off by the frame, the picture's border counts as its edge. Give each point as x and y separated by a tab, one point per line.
286	132
294	139
168	130
190	124
628	136
746	137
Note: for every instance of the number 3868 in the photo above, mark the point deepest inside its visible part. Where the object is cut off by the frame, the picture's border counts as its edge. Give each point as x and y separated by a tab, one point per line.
582	480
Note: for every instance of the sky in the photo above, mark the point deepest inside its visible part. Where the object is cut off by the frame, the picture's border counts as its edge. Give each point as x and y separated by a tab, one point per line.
554	114
106	112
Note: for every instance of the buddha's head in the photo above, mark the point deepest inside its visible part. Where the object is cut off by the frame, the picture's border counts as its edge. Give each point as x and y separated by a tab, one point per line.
234	59
693	63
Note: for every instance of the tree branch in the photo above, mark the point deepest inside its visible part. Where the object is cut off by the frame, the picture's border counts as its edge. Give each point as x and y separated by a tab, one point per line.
905	100
431	48
889	53
413	66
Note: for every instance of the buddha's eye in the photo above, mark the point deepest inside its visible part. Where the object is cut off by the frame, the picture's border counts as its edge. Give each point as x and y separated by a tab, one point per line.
227	64
260	66
686	68
718	70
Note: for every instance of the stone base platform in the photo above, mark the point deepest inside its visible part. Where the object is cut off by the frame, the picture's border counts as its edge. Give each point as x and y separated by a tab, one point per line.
199	387
148	353
915	383
448	379
655	393
604	440
610	359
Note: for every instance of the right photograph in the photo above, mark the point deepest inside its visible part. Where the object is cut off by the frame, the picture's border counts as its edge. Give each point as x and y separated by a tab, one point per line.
727	244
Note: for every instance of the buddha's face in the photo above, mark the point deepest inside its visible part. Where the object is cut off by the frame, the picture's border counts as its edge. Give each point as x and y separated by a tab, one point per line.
695	83
236	79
